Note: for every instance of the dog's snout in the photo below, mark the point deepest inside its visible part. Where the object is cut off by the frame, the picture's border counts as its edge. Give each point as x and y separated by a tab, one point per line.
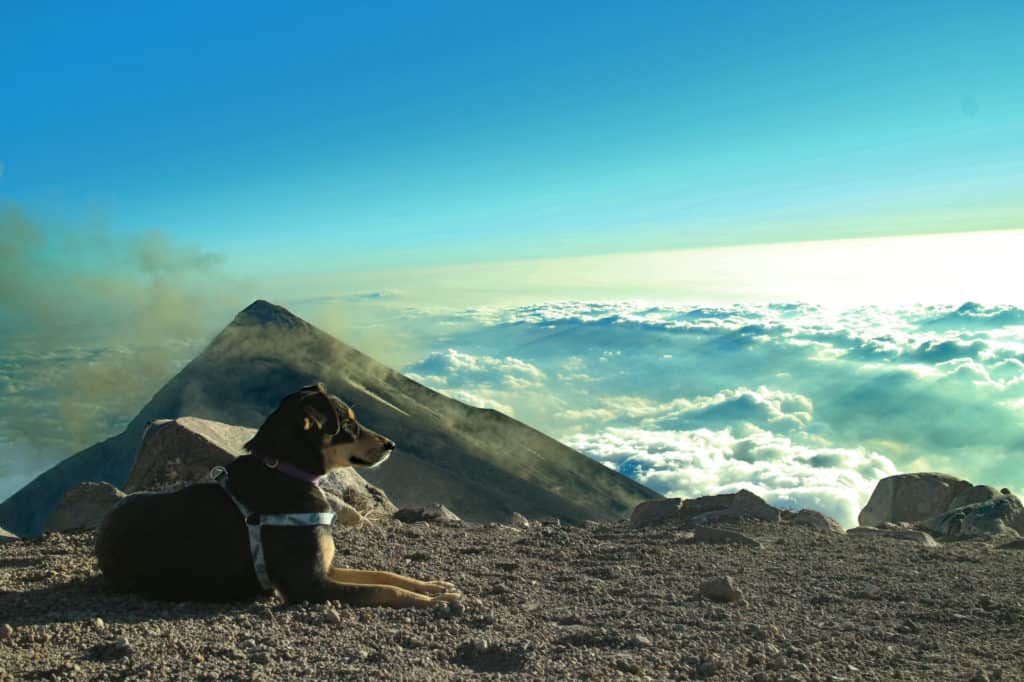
387	444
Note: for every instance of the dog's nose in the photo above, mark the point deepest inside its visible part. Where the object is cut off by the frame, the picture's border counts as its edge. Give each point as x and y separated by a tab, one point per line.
388	444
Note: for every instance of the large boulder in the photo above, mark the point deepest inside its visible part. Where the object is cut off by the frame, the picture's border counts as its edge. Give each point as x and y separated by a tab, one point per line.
84	506
999	517
741	504
911	498
973	495
702	510
178	452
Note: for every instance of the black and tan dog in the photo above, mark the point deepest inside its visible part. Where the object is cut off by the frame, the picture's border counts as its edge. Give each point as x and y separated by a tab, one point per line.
194	544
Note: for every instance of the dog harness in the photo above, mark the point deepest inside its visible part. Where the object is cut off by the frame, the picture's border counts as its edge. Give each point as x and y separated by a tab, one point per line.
255	521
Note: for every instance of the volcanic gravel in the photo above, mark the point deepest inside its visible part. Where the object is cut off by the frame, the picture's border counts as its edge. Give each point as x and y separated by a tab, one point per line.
601	602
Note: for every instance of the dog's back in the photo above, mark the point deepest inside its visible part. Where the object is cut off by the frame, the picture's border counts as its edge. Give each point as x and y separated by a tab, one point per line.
188	544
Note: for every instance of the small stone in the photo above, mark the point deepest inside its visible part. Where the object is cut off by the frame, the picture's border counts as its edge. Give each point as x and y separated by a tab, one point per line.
641	641
720	590
99	624
6	632
709	667
871	591
519	521
980	676
333	617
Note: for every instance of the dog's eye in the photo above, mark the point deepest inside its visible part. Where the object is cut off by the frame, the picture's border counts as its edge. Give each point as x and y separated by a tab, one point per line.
351	428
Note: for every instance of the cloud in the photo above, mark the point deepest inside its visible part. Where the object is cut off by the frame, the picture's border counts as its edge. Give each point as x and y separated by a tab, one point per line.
452	368
706	462
91	325
788	398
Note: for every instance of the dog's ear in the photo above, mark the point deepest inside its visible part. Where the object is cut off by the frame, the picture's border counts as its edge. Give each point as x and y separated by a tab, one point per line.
318	411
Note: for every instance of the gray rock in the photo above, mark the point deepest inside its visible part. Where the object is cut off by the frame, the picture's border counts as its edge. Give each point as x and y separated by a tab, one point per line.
721	536
178	452
911	498
1013	544
721	590
432	513
914	536
741	504
818	521
703	510
519	521
973	495
84	506
344	513
7	536
655	512
1002	517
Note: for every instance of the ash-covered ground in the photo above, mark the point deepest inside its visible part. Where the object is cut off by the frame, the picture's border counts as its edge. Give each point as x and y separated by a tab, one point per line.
601	602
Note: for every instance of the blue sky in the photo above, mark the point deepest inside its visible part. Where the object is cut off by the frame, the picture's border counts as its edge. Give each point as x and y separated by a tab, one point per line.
435	133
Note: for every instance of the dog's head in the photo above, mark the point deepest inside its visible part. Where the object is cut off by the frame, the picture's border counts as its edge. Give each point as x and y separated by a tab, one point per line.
318	432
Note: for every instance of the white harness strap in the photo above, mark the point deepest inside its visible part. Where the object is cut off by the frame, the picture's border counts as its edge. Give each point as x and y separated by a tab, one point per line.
255	521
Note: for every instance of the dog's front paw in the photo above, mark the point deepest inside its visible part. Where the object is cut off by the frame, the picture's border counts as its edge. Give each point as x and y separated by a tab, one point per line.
437	587
446	597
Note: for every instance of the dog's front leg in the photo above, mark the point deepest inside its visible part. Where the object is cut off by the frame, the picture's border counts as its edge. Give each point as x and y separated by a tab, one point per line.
357	577
362	594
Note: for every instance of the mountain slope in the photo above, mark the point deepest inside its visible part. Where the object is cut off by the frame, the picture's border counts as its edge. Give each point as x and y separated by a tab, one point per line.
480	463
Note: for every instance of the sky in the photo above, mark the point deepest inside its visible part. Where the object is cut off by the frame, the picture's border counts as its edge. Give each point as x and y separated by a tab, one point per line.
362	135
444	185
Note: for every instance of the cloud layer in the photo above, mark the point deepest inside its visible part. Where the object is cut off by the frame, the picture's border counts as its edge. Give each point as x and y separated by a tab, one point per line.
806	405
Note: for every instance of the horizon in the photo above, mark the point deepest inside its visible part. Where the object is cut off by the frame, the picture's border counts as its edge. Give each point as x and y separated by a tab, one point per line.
438	186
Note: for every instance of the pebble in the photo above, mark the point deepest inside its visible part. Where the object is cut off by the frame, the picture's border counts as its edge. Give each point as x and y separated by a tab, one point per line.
99	624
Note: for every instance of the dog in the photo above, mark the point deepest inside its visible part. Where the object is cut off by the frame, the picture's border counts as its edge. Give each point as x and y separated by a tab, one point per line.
195	544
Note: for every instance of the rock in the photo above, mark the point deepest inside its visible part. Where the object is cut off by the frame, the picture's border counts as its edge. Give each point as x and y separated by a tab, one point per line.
741	504
99	624
818	521
1013	544
344	513
911	497
721	536
973	495
178	452
432	513
915	536
1002	516
7	536
518	521
703	510
6	632
655	512
720	590
84	506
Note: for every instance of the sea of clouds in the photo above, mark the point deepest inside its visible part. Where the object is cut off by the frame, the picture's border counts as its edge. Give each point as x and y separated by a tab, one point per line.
805	405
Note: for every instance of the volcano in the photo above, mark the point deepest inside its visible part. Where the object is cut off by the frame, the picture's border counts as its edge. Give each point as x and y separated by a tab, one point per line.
480	463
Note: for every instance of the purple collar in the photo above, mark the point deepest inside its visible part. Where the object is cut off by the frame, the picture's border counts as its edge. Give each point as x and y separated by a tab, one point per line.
293	471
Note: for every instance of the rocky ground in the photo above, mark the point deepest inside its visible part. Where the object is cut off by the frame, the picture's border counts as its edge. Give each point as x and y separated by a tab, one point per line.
603	602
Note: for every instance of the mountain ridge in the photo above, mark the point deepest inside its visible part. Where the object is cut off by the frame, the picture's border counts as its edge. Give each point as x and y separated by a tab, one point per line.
479	462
